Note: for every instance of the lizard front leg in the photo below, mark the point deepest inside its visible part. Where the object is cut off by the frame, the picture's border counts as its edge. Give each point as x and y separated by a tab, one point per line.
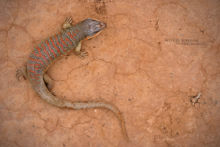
67	24
79	51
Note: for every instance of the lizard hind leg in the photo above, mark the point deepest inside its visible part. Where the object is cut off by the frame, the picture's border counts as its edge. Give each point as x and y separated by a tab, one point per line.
48	81
21	73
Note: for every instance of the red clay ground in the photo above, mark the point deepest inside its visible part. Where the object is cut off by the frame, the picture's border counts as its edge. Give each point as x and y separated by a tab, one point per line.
150	60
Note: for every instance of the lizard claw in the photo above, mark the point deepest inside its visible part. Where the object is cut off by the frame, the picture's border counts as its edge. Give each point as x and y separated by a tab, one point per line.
83	53
69	20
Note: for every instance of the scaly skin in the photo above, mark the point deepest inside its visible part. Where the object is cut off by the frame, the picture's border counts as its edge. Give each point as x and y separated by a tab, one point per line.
61	44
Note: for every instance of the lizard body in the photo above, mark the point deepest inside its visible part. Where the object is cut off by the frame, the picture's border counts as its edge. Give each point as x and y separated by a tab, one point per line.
54	47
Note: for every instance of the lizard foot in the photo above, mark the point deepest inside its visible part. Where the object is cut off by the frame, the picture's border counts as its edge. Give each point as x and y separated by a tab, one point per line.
21	74
68	23
83	53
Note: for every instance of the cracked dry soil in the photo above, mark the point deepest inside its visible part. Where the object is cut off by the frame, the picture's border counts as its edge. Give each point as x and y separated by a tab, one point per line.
153	58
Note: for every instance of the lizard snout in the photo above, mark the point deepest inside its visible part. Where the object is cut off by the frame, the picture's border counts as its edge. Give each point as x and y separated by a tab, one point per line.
103	25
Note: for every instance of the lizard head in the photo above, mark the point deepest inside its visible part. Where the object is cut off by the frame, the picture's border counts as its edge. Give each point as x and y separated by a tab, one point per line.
92	27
